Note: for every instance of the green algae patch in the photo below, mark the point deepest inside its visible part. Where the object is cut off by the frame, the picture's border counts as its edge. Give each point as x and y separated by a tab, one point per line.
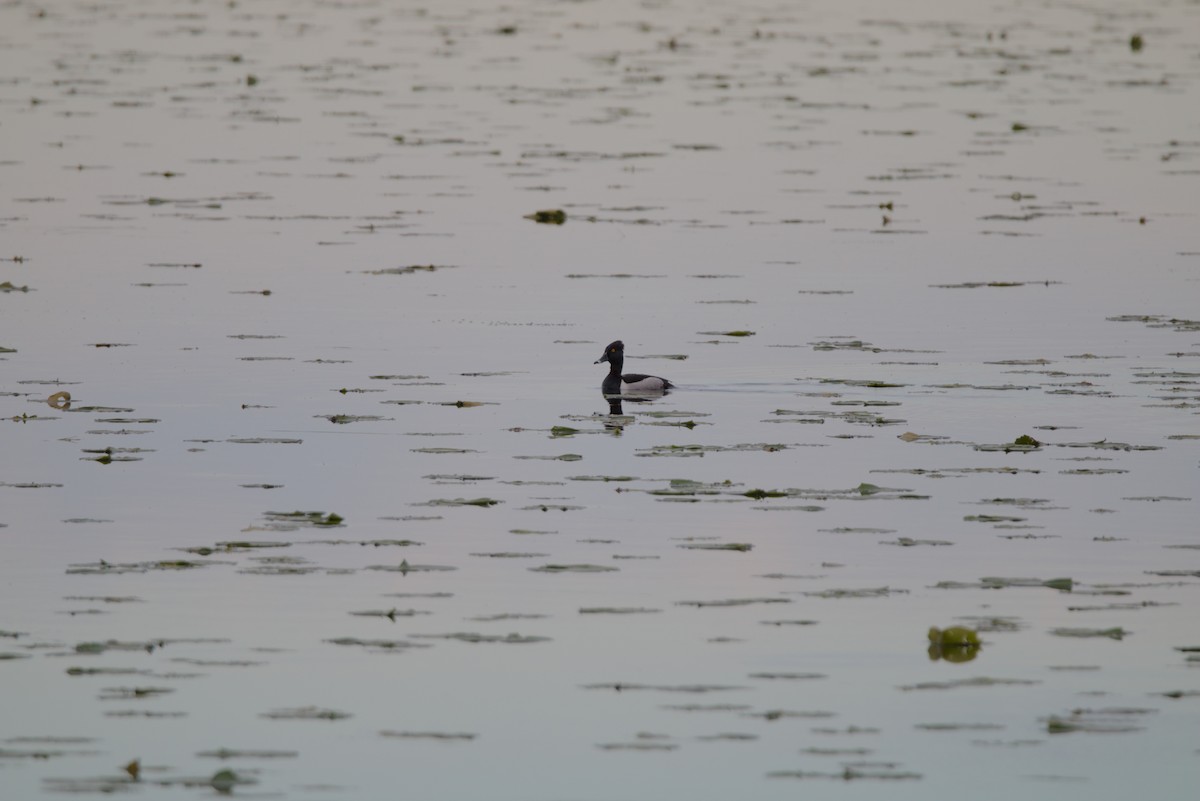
956	644
548	216
954	637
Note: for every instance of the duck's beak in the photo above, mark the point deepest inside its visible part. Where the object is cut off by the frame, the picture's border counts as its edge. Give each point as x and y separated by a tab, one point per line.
603	358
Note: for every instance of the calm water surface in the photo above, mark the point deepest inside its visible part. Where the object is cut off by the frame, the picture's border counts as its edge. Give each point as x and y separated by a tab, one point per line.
279	256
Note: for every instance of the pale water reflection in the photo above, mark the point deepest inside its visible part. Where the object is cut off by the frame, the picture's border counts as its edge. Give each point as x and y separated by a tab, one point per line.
310	489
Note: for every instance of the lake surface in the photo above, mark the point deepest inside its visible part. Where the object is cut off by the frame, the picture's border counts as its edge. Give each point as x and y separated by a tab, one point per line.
336	508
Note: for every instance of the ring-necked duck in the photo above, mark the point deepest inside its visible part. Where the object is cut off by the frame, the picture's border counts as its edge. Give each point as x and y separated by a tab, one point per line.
616	384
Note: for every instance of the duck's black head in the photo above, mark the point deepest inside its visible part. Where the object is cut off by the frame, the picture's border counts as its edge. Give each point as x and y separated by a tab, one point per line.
615	352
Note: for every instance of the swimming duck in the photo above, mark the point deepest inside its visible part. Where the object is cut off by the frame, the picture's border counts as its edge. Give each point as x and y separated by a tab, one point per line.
616	384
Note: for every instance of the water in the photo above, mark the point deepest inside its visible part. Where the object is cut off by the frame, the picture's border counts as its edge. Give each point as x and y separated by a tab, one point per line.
937	223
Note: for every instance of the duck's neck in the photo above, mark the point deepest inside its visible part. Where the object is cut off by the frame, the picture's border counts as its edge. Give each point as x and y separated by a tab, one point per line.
615	365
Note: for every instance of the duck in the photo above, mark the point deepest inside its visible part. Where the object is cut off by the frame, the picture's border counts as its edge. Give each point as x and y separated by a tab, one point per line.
617	384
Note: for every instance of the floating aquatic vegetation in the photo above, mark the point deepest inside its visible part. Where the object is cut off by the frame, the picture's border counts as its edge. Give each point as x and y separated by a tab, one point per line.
318	519
107	599
664	688
105	671
866	383
758	494
233	547
240	753
391	614
130	693
870	592
857	530
563	457
408	270
506	616
617	610
480	502
259	440
1022	444
700	450
785	714
637	746
511	555
104	567
343	419
788	676
548	216
602	478
1116	633
909	436
440	736
994	624
1026	503
1096	721
405	568
993	519
958	726
577	568
457	477
305	713
377	644
1105	445
909	542
977	681
719	546
734	602
474	638
848	774
788	622
1154	498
